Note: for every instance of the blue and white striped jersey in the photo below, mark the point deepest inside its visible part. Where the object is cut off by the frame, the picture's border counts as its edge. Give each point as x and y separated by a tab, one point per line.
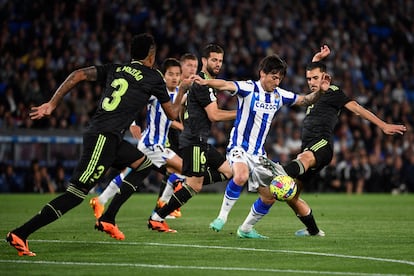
255	112
158	123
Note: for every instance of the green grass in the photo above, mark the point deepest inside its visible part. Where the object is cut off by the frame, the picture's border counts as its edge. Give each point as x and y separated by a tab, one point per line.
365	235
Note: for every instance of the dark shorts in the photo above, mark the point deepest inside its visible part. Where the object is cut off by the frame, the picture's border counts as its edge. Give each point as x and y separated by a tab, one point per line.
197	158
173	140
100	152
323	151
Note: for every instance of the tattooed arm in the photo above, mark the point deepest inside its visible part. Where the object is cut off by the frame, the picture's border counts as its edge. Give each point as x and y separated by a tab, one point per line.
87	73
311	98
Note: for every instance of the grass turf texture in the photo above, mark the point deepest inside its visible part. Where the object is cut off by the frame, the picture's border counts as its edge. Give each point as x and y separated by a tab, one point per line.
365	235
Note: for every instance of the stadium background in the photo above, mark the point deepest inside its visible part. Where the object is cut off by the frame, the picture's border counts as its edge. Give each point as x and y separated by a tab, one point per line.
372	58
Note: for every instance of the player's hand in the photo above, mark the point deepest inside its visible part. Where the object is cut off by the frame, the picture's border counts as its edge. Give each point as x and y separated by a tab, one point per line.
199	80
186	83
324	52
39	112
391	129
325	82
135	131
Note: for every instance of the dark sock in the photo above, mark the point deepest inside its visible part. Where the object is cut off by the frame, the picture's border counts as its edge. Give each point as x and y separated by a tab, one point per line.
51	211
131	183
126	190
294	168
213	176
163	184
310	223
177	200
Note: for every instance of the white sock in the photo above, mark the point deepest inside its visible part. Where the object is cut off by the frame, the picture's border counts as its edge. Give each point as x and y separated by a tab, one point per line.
226	207
108	193
251	219
167	193
156	217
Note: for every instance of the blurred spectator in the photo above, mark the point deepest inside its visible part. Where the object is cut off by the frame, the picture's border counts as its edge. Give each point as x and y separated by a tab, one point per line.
60	182
408	175
374	183
31	177
9	181
331	178
43	182
354	177
391	174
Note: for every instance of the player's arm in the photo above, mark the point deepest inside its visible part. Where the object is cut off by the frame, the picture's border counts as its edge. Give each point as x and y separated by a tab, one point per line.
135	130
172	110
87	73
389	129
217	83
305	100
323	53
216	114
177	125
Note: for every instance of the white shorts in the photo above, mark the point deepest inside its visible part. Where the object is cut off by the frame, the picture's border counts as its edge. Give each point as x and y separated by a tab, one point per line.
157	153
259	175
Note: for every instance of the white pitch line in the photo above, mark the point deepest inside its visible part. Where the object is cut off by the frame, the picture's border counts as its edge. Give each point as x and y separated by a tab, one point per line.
411	263
159	266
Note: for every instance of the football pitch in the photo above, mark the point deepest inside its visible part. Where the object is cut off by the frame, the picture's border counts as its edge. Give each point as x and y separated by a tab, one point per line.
371	234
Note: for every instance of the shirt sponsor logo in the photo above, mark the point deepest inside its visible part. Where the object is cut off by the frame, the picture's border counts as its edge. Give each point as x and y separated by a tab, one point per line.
265	107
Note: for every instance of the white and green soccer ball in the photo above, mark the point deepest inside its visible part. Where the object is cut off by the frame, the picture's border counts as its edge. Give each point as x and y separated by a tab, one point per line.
283	187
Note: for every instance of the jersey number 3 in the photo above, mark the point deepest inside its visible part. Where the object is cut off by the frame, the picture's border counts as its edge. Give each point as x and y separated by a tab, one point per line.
111	103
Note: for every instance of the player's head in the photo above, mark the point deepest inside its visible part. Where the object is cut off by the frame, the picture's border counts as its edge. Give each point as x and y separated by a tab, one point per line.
143	48
314	73
171	68
189	65
212	58
272	69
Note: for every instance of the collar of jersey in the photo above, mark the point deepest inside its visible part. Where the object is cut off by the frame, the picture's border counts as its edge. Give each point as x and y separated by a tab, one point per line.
205	76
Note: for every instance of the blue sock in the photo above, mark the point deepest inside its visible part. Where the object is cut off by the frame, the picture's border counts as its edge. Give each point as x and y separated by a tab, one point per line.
260	207
233	190
172	179
118	179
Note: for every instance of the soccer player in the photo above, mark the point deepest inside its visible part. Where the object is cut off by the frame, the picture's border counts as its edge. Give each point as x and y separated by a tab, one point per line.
127	90
258	103
189	67
153	138
317	137
202	110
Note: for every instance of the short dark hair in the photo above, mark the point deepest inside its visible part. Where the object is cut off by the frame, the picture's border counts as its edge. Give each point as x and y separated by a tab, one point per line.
273	64
316	64
141	45
211	48
188	56
170	62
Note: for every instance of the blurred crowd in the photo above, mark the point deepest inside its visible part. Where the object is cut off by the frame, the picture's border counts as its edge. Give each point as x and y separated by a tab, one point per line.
42	41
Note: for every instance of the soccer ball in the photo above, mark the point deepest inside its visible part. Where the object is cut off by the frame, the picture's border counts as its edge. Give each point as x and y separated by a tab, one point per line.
283	187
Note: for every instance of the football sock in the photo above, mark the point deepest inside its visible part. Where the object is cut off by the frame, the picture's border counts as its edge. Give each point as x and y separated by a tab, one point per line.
163	184
109	192
113	187
177	200
213	176
125	192
294	168
257	212
310	223
231	195
169	188
131	183
51	211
